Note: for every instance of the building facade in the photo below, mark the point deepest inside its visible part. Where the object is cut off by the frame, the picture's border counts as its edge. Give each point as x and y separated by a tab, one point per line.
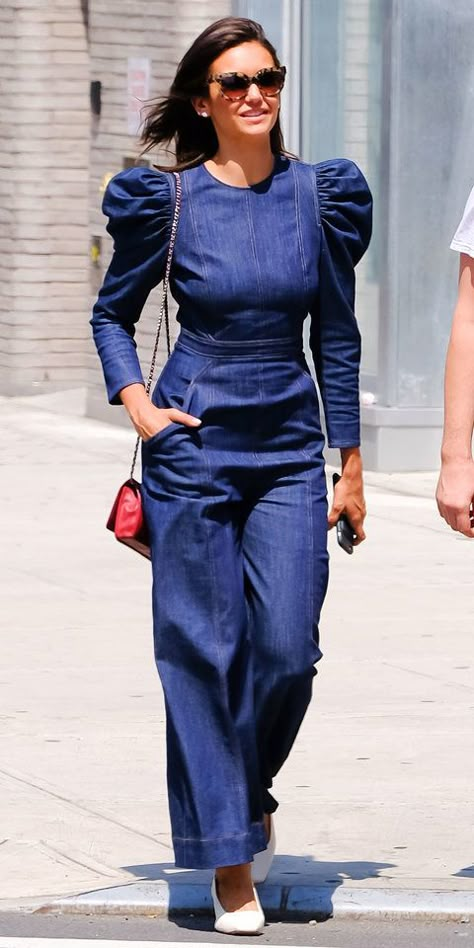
44	219
387	83
390	84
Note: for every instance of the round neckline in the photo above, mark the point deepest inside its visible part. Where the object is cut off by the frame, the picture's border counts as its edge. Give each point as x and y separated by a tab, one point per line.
243	187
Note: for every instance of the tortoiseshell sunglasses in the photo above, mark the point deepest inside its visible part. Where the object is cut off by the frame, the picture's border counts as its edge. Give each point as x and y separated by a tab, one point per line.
235	85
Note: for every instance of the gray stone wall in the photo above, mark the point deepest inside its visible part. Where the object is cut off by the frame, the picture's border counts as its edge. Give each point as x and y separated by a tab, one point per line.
161	31
44	144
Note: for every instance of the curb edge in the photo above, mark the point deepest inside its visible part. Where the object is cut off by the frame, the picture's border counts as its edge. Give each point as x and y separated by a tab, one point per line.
278	901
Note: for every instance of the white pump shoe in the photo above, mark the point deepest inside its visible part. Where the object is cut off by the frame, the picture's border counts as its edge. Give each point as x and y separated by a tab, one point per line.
237	923
262	861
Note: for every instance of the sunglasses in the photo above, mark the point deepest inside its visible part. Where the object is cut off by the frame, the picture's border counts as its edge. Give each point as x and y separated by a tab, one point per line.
235	85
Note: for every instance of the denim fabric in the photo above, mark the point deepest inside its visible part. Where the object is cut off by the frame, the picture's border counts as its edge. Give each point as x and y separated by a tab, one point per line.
249	263
237	508
238	519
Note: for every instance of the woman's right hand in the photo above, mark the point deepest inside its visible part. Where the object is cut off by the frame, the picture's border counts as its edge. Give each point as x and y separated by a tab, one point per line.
156	419
146	418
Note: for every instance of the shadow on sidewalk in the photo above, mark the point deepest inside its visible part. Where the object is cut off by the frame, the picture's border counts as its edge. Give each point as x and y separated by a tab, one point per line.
298	887
286	870
466	873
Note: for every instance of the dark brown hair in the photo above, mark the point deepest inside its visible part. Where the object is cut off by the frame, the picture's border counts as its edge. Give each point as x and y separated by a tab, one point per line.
174	119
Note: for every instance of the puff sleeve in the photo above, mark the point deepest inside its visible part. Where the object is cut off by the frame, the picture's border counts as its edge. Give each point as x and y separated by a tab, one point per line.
139	205
346	218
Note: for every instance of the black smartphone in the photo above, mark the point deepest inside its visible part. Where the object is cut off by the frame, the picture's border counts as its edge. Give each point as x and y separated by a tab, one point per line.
344	532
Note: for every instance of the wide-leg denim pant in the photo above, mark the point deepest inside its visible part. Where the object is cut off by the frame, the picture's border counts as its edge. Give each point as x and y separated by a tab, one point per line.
238	519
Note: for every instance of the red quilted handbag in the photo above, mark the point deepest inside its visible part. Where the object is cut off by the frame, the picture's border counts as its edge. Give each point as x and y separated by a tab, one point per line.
127	517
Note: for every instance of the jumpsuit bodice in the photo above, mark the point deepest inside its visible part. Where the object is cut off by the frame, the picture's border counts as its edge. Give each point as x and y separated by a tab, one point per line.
246	260
250	263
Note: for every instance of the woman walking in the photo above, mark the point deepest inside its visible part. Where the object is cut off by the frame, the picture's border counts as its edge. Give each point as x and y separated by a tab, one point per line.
233	473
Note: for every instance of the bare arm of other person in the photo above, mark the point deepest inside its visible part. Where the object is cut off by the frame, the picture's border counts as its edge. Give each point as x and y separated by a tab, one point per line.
455	490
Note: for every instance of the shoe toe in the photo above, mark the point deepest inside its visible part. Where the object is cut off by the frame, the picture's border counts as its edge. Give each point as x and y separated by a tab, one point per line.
237	923
240	923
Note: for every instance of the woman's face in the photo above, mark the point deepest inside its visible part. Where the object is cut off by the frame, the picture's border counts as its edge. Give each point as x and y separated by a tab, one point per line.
250	117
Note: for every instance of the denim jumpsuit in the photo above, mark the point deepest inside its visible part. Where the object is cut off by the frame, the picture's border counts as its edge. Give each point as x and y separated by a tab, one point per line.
237	509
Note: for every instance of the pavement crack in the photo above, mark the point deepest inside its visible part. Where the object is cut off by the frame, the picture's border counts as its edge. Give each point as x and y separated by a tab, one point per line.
32	574
410	524
92	865
420	674
81	808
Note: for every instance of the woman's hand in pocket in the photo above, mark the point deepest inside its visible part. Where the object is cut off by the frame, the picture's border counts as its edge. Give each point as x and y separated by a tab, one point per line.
156	419
147	419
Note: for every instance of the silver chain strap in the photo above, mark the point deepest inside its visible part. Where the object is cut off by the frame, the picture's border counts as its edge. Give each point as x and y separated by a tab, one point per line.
164	306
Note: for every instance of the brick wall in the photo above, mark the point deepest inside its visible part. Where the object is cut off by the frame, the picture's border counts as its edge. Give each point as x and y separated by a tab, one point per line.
160	30
44	142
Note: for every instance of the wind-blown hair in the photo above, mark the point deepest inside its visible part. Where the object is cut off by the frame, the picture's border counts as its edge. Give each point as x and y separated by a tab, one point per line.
173	119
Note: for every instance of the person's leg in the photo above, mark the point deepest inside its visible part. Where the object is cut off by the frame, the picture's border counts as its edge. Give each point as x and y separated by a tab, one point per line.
203	657
286	565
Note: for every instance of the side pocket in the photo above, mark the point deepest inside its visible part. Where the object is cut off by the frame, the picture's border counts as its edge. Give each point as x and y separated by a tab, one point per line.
176	388
161	434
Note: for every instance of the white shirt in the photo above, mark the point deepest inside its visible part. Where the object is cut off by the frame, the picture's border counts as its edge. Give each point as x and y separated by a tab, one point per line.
463	240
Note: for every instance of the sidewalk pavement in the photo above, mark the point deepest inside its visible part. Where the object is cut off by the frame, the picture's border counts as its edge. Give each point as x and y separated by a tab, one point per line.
376	800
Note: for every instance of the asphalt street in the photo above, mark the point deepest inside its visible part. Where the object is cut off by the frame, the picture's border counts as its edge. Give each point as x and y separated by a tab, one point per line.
33	931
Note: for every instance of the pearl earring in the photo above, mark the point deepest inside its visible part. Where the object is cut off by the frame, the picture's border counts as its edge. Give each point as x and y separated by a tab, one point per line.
204	115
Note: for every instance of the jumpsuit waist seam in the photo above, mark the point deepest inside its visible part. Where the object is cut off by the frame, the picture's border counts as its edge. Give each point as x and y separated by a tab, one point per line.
239	348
